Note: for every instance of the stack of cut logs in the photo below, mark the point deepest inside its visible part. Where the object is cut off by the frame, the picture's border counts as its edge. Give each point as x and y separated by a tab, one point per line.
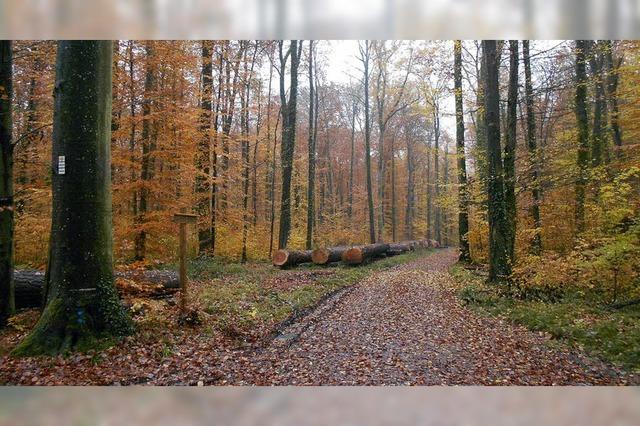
355	255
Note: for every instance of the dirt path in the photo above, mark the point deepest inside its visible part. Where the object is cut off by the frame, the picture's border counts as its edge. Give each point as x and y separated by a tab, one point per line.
405	326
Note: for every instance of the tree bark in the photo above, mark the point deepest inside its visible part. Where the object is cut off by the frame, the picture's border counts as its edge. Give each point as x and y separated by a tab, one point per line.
203	154
29	285
410	186
510	145
147	152
287	146
399	248
463	190
285	258
365	56
612	67
597	137
352	158
325	255
312	156
81	299
7	296
436	170
358	255
533	151
583	131
499	266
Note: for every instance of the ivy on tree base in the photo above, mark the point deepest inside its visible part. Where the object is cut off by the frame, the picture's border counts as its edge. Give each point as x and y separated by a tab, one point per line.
68	324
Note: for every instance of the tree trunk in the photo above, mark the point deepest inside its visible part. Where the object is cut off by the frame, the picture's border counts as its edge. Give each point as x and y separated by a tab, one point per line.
322	256
583	131
203	154
410	187
597	136
499	266
7	297
288	141
436	171
214	157
352	159
285	258
147	149
510	145
360	254
393	190
612	68
81	299
365	56
312	156
463	190
399	248
533	150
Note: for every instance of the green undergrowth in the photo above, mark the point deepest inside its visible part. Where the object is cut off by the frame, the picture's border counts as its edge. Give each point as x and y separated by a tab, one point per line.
240	301
610	334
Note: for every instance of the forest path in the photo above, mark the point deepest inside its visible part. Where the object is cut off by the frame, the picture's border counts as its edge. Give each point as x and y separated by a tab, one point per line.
405	325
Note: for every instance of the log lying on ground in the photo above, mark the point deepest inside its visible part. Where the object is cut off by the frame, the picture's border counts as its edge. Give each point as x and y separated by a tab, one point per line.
285	258
29	284
323	256
357	255
399	248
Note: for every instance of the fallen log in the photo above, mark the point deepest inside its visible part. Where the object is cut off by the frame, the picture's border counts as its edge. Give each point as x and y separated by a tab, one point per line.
286	258
359	254
29	285
323	256
399	248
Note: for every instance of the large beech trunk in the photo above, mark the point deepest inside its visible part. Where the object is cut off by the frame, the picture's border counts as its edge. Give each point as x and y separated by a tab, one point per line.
286	258
359	254
82	303
323	256
29	285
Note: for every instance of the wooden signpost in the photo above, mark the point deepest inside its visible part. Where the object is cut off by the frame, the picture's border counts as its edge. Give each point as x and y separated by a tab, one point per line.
183	219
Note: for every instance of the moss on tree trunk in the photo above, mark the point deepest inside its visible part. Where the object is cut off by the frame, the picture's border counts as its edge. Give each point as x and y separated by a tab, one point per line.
82	304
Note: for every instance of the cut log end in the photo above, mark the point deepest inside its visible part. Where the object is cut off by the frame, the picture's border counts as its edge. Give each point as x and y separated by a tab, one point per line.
353	256
285	258
320	256
280	257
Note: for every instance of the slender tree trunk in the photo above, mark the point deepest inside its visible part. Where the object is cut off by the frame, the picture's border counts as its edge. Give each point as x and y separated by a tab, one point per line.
203	154
583	131
132	134
312	156
393	190
147	148
510	146
288	143
533	150
597	135
445	209
352	159
244	125
272	189
436	177
214	155
7	290
410	187
429	193
612	68
499	266
463	190
367	139
82	301
380	177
